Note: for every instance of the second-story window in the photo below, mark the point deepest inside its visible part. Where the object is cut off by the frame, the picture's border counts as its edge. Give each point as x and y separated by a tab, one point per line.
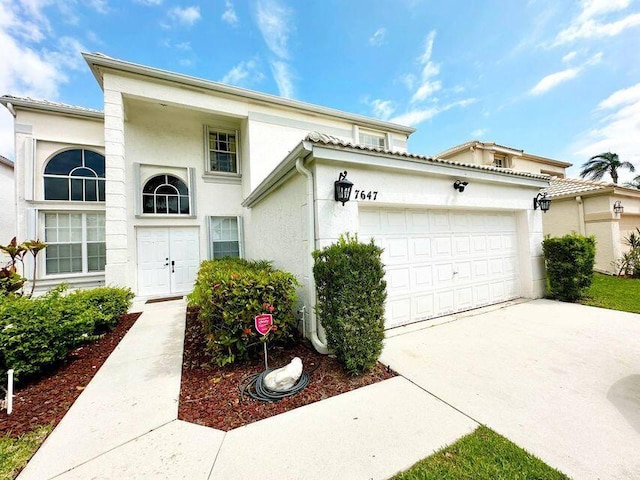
373	140
222	151
165	194
75	175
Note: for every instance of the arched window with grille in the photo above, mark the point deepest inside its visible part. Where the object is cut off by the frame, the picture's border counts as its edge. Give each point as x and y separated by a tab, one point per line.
75	175
165	194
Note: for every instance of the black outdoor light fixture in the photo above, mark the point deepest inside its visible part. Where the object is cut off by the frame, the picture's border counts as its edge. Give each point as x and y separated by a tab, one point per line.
543	201
342	188
459	185
617	207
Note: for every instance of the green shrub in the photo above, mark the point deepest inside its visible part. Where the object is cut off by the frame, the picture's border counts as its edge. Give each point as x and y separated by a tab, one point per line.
110	302
37	333
230	293
569	261
351	294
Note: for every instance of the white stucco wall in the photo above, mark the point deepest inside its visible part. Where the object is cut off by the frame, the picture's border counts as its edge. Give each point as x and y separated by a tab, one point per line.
8	202
276	230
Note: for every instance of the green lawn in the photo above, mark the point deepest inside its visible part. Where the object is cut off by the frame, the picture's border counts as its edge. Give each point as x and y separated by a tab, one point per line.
481	455
16	452
616	293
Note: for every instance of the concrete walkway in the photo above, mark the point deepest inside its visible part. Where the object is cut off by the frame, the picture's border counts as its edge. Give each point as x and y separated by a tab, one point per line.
124	425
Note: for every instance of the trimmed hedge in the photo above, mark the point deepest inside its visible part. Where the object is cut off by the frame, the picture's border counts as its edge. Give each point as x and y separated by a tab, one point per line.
230	293
569	261
37	333
351	295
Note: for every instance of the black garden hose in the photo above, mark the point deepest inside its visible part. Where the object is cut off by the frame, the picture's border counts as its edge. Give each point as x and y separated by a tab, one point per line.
253	385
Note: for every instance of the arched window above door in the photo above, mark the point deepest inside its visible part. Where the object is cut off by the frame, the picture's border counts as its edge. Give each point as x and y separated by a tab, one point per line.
165	194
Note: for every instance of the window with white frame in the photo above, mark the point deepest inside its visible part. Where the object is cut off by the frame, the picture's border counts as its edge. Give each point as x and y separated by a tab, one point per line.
501	161
75	242
165	194
222	151
373	140
225	236
75	175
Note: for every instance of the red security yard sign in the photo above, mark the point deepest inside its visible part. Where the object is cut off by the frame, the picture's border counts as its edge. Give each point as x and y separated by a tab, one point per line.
264	323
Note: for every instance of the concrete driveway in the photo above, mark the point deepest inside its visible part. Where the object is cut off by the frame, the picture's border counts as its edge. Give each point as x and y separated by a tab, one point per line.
560	380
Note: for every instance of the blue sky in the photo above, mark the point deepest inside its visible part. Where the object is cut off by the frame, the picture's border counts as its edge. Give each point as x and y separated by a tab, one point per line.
554	78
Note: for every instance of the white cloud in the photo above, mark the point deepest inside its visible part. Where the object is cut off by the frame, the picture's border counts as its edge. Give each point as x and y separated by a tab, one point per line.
243	74
28	68
382	108
229	14
274	21
282	74
553	80
618	128
149	3
479	132
569	56
100	6
591	24
185	16
428	85
378	37
419	115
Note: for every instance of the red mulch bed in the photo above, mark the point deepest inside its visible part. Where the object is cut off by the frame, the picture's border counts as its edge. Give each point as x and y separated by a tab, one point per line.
46	400
209	394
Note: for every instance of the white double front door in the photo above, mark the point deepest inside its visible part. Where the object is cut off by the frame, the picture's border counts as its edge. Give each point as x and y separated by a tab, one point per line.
168	260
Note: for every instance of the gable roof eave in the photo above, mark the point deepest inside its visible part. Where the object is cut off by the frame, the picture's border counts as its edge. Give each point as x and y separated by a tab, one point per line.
98	61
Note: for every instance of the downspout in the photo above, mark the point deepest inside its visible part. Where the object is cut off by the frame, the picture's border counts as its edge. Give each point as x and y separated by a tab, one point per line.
581	224
312	329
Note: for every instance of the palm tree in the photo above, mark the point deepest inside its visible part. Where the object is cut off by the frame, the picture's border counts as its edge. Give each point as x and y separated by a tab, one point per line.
606	162
635	183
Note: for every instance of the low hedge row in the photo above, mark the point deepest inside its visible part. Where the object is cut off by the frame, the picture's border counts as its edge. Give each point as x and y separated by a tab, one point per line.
37	333
230	293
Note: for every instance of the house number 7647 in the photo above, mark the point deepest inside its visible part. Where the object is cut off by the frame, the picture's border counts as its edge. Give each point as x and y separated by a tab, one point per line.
365	195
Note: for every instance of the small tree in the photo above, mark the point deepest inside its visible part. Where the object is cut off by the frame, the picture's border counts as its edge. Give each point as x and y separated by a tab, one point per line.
11	281
351	291
569	261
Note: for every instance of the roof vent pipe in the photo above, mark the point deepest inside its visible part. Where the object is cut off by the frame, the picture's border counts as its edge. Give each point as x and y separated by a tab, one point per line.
312	329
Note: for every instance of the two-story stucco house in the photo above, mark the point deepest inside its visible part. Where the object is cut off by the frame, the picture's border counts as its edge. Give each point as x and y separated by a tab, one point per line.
178	169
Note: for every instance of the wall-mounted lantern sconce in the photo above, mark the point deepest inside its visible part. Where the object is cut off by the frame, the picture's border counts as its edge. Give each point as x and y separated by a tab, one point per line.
543	201
458	185
617	207
342	188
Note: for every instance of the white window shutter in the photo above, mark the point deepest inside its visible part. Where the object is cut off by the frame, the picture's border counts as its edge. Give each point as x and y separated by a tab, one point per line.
240	236
137	200
191	173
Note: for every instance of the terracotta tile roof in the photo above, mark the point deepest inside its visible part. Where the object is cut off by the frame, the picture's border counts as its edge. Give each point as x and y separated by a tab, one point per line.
47	104
323	139
570	186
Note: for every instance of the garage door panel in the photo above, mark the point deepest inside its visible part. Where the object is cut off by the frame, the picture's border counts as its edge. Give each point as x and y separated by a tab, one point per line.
369	222
423	249
444	302
398	280
462	246
420	248
423	307
464	298
442	247
397	250
422	278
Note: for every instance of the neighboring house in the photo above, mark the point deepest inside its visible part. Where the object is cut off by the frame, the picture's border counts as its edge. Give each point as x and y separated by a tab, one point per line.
7	201
589	208
489	153
194	169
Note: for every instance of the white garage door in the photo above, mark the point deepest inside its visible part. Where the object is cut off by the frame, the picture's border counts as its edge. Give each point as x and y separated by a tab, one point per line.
439	262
